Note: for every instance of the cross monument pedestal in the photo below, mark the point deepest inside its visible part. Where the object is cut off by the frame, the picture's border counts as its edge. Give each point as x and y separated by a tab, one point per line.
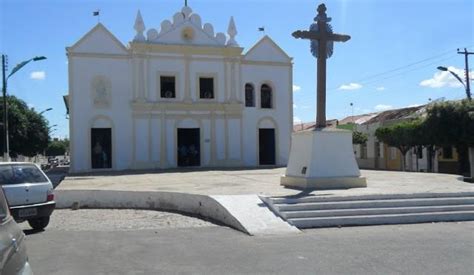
323	158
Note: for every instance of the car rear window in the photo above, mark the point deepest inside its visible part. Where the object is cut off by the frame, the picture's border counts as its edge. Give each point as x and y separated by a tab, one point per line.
20	173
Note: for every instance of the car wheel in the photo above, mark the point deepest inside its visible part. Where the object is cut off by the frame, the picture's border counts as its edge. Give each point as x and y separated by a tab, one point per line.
39	223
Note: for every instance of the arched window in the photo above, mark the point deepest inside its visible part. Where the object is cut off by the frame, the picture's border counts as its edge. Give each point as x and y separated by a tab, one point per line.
249	95
266	97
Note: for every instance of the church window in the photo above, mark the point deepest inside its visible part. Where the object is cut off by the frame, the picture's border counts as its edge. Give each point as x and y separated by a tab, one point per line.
266	96
168	86
206	87
249	95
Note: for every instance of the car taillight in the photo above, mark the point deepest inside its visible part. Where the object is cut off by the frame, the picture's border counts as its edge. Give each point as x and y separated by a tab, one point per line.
50	197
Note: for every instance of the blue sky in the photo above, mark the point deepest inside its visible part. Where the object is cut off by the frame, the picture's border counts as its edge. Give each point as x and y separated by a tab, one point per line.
390	62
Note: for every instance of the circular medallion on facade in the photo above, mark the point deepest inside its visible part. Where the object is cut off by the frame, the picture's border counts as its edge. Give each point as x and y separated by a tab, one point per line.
187	33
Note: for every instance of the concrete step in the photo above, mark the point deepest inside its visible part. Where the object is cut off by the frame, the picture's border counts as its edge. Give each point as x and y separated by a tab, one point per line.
374	204
382	219
292	200
373	211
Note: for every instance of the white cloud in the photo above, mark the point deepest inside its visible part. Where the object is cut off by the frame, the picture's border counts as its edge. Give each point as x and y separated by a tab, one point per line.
350	86
296	120
381	88
383	107
413	105
38	75
444	78
296	88
294	106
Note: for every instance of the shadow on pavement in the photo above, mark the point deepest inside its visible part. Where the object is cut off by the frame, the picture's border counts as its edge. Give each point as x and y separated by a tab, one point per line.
32	231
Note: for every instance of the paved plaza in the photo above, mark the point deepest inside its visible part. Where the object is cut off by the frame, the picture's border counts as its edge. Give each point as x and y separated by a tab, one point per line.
259	181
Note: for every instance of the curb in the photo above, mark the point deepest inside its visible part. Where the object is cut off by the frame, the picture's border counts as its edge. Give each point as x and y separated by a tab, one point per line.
200	205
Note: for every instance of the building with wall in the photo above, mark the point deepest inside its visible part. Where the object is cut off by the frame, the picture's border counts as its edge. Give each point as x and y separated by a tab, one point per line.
176	96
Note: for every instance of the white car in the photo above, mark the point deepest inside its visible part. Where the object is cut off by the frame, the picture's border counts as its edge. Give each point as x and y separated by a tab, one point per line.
29	193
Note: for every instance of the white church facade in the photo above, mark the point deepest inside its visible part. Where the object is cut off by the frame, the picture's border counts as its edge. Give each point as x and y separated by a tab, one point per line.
177	96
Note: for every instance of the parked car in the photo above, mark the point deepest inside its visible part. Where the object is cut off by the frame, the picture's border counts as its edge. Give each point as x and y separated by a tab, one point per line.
13	258
29	193
53	161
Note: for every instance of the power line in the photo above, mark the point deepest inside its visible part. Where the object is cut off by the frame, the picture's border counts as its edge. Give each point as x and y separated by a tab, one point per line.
408	71
402	67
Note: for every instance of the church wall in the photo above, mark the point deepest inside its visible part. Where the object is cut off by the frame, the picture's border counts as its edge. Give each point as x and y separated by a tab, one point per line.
280	80
147	137
83	110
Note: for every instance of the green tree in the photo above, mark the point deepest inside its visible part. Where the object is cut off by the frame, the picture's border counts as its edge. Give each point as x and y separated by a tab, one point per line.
56	148
402	136
359	137
28	130
451	123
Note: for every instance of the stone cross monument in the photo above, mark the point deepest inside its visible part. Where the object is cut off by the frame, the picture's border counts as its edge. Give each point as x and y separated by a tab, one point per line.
323	158
322	39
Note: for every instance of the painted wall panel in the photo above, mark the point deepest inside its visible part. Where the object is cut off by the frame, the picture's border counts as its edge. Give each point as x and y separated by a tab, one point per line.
206	135
170	142
141	140
234	138
220	139
155	139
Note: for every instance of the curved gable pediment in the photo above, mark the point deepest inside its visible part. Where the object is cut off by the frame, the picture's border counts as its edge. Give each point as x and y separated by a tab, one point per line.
187	33
185	28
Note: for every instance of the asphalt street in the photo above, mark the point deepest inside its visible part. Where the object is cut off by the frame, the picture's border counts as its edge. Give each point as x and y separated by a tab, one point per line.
443	248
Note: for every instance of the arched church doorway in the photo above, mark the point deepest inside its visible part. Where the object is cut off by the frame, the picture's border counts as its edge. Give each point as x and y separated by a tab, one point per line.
101	148
189	149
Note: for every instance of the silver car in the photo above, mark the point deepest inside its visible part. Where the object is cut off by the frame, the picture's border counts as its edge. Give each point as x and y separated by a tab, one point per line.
29	193
13	258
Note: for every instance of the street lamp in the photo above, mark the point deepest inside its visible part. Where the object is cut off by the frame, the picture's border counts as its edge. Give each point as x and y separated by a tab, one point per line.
6	154
352	107
49	109
466	85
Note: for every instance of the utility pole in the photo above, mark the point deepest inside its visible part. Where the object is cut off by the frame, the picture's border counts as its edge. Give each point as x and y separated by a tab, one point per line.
6	148
466	72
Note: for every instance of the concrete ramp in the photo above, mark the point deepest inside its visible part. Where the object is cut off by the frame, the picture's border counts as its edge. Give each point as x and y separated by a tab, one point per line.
254	215
246	213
